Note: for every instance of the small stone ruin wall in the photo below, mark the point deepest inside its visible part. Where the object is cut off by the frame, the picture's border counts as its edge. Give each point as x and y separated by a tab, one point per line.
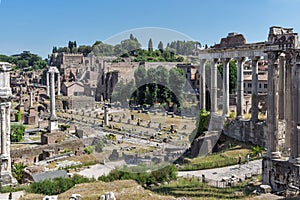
31	155
249	132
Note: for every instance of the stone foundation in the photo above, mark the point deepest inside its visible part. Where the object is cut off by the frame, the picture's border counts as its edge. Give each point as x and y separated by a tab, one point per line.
281	174
204	145
249	132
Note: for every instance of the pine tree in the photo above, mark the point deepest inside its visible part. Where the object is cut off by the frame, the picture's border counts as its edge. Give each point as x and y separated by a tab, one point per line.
150	45
160	46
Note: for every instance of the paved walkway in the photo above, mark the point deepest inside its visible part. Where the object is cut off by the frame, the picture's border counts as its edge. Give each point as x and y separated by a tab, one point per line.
15	195
254	167
97	170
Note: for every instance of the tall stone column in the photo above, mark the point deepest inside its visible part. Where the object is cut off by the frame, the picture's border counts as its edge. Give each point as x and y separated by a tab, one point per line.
52	96
254	96
105	115
48	84
202	85
281	87
272	119
287	103
58	84
240	86
3	129
30	100
5	99
213	90
7	114
295	111
225	62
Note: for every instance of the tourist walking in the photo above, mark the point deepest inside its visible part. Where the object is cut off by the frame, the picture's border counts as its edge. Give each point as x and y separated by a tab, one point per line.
247	158
240	161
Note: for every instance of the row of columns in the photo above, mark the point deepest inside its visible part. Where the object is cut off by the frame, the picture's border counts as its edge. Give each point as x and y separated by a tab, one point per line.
283	103
240	88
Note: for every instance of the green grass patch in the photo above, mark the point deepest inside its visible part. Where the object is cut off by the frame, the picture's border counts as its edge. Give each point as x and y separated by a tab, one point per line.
192	188
216	160
7	189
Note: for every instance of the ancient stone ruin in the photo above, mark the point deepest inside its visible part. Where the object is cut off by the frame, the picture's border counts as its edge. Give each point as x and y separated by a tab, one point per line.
5	106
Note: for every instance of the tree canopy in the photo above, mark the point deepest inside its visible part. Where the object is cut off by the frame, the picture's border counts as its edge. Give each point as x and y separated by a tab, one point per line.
25	60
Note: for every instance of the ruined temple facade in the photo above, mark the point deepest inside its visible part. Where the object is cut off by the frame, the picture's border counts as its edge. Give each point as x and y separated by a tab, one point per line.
281	166
281	132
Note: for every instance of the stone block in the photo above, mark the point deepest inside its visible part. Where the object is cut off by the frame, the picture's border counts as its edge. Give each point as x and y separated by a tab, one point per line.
265	189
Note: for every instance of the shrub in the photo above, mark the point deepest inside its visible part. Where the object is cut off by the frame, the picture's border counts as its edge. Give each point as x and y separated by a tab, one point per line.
17	131
18	115
167	173
89	149
202	122
57	185
17	171
64	127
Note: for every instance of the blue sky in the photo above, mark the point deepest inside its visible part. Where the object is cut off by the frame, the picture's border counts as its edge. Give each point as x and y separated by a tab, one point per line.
38	25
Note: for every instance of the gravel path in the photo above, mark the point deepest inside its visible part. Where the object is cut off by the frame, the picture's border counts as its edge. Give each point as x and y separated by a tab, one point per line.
99	169
254	167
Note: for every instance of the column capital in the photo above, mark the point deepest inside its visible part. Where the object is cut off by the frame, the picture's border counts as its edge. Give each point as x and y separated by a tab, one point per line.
240	59
255	58
215	60
225	60
273	57
203	61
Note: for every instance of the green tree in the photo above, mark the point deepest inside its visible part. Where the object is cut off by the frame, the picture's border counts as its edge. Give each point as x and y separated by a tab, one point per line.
160	46
89	149
54	50
17	171
201	124
176	82
150	45
17	131
85	50
102	49
162	80
140	75
232	75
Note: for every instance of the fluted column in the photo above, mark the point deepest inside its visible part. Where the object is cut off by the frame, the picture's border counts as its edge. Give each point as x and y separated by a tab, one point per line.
225	62
295	140
213	90
254	96
297	110
7	142
58	84
47	84
240	86
287	103
3	129
273	105
281	87
52	96
202	85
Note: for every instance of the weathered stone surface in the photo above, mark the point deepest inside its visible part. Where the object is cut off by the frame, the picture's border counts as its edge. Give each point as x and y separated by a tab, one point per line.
265	189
